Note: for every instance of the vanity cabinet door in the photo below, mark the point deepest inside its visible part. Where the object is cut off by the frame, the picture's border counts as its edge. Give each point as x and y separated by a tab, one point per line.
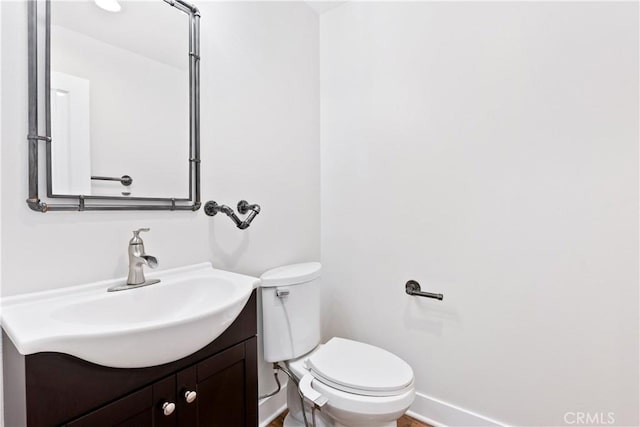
164	408
227	388
134	410
188	395
143	408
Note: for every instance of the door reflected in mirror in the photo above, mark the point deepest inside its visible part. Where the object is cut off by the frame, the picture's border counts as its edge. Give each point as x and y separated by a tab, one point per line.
120	99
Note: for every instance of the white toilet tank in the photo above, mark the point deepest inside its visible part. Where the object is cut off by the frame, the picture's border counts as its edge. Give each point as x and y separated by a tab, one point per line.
290	311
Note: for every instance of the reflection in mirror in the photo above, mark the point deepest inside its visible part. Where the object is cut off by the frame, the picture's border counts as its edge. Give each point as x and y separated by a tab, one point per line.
119	99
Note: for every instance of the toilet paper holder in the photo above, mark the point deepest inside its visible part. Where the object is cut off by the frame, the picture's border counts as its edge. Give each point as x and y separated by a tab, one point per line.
413	288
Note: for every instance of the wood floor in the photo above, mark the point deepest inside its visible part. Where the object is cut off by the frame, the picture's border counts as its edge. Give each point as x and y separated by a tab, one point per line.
405	421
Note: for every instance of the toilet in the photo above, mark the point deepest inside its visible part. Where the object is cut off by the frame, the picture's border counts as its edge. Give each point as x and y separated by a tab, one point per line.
351	383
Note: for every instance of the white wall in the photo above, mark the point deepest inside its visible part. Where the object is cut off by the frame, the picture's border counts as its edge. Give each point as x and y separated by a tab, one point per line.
1	363
489	151
260	112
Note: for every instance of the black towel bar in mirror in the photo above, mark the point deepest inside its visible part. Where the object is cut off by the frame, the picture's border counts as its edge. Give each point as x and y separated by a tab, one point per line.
125	180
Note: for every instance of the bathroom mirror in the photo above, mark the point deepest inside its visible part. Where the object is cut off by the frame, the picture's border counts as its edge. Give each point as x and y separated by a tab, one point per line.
114	105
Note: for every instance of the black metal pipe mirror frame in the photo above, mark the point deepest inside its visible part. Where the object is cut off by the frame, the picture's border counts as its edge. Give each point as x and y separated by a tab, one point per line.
39	11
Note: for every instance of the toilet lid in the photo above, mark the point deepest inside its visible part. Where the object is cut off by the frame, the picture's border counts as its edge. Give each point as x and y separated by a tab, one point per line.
359	368
294	274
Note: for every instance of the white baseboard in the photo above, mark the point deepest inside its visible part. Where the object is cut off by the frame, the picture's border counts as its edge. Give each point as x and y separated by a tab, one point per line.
271	407
427	409
439	414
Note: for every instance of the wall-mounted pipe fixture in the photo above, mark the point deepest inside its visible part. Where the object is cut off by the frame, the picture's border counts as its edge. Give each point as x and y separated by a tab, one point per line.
125	180
211	208
413	288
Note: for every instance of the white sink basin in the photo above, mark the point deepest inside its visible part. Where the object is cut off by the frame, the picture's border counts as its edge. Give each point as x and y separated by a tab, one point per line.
147	326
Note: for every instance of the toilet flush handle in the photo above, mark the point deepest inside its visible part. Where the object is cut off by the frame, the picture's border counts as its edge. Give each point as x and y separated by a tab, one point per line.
309	393
281	293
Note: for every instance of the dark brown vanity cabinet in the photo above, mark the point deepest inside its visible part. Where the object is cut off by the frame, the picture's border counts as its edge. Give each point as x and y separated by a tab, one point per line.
64	390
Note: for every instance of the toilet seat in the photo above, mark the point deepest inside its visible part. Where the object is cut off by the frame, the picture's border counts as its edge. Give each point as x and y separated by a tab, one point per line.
340	403
359	368
375	387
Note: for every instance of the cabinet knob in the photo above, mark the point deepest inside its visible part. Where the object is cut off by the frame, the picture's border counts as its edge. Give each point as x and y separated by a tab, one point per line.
168	408
190	396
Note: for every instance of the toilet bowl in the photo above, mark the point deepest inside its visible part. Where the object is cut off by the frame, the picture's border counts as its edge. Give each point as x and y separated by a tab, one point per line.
352	383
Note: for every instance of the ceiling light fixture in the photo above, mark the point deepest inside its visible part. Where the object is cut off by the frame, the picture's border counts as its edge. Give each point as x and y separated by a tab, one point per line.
109	5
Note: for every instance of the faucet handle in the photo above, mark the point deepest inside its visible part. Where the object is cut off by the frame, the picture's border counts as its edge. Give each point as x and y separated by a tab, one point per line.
136	240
